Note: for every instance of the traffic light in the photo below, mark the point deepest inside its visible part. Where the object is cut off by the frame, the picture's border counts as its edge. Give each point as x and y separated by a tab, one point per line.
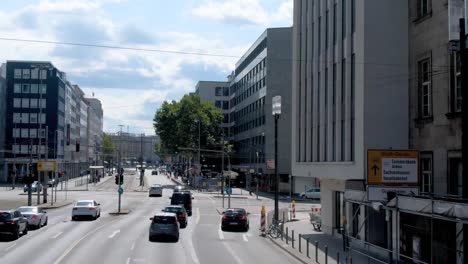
117	179
121	179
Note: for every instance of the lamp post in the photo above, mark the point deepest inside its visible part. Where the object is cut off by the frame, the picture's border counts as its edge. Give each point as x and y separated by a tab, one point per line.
276	111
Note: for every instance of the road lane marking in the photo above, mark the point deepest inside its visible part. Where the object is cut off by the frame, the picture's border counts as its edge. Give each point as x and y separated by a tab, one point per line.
10	247
245	238
133	246
249	235
198	216
115	233
128	260
220	233
232	252
57	235
69	249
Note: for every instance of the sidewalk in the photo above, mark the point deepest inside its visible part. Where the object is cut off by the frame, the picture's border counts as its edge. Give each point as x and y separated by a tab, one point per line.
23	201
326	243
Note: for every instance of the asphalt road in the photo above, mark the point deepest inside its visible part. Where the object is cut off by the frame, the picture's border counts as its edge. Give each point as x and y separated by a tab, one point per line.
124	238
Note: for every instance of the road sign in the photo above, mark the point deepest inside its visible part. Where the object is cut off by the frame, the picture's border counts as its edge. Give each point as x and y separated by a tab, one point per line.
46	165
270	164
121	190
392	167
379	193
229	190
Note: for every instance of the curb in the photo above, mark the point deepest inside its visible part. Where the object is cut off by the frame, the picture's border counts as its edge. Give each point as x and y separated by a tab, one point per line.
55	207
122	212
289	252
232	197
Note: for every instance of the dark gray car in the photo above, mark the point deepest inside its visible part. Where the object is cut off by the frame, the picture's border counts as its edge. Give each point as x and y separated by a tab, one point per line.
164	225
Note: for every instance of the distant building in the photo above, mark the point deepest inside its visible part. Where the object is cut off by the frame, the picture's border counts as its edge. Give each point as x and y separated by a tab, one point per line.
217	93
134	146
3	149
95	126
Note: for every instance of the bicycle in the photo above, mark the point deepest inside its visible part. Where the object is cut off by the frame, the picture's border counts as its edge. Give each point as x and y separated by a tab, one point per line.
275	230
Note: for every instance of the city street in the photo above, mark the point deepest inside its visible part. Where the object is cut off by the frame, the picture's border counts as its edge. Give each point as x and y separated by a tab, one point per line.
124	238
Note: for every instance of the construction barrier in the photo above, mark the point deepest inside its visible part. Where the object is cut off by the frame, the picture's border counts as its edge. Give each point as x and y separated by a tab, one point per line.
294	209
263	221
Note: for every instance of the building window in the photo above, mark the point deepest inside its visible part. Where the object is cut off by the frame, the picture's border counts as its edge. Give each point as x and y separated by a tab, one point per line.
424	77
455	181
423	7
24	133
24	118
16	149
343	19
33	118
34	88
42	118
43	74
43	89
34	74
33	133
17	102
16	118
457	88
225	91
24	149
42	103
33	103
25	102
17	73
16	133
218	104
17	88
426	172
26	74
25	88
218	91
41	133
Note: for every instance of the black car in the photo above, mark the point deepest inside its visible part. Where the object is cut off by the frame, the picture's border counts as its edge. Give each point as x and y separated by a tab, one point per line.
12	222
183	198
181	213
235	218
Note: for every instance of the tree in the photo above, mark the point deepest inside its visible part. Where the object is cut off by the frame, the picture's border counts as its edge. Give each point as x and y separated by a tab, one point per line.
177	125
108	147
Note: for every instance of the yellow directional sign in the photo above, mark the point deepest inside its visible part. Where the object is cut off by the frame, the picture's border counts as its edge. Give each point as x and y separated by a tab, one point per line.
46	166
392	167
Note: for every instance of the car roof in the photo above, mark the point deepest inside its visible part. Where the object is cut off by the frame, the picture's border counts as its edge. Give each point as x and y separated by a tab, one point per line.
156	184
88	201
166	214
235	209
33	207
174	206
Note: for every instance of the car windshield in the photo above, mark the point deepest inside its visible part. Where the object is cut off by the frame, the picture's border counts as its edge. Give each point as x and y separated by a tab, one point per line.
234	213
173	209
4	216
84	204
27	210
164	220
180	197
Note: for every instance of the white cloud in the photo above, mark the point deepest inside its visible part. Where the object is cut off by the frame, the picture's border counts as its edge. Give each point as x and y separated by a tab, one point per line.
284	12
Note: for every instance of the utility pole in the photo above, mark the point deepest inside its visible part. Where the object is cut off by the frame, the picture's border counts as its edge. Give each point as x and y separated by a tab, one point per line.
276	110
46	174
256	180
14	159
464	88
30	173
222	167
141	160
120	166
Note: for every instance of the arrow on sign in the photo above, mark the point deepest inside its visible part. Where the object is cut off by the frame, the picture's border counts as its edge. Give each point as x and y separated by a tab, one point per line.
375	168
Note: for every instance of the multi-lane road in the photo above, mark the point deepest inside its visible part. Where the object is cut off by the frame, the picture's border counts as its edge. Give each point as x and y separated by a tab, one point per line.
124	238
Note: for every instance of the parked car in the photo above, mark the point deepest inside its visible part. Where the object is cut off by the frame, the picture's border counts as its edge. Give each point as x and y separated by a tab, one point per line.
53	182
156	190
12	222
36	216
164	225
235	218
86	208
313	193
181	213
183	198
34	187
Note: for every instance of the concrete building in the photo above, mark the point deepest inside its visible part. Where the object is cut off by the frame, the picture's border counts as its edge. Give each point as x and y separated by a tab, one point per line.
3	89
263	72
349	95
95	132
218	94
133	146
35	114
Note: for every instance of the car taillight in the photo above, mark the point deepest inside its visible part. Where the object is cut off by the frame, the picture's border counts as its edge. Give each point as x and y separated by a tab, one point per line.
33	217
92	209
243	217
225	218
11	223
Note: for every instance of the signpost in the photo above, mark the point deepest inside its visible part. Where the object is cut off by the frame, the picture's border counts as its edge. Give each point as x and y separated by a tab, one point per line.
48	166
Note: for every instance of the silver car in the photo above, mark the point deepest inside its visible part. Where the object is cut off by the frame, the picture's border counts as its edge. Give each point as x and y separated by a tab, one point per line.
313	193
36	216
164	225
34	187
86	208
156	190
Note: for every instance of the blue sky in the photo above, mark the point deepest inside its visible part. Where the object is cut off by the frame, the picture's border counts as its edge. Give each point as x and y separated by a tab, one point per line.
133	84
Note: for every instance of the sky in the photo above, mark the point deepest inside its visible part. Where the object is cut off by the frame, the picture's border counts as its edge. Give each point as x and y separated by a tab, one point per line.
133	84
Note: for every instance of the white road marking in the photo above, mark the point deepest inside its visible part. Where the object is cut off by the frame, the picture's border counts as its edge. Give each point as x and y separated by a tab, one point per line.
233	253
133	246
69	249
198	216
57	235
245	238
249	235
10	247
115	233
192	250
220	233
128	260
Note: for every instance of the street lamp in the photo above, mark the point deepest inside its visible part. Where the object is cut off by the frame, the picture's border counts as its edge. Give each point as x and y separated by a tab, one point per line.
276	111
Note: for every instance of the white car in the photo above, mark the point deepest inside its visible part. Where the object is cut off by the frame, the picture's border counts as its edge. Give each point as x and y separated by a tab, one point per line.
156	190
36	216
86	208
313	193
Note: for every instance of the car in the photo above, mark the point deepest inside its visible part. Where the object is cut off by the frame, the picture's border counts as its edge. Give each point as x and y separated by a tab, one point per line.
155	190
154	172
182	198
164	225
12	222
313	193
179	188
181	213
53	182
36	216
86	208
235	218
34	187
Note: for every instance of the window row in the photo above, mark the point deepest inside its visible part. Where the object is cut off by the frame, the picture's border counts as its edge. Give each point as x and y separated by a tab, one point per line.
248	92
29	103
28	133
29	118
28	149
222	105
27	74
257	105
249	125
26	88
222	91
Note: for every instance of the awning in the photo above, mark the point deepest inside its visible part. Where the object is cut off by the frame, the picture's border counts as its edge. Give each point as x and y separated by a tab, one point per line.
428	206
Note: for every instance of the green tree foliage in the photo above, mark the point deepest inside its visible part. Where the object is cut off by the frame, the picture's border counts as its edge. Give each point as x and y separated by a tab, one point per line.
108	147
177	125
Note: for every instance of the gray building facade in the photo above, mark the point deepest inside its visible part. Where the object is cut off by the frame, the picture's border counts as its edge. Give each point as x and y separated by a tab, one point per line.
3	149
217	93
134	146
95	130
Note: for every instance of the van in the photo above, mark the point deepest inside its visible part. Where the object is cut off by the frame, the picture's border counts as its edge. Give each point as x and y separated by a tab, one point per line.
183	198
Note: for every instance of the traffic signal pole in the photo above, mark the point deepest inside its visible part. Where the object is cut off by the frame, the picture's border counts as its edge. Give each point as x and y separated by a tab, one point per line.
464	88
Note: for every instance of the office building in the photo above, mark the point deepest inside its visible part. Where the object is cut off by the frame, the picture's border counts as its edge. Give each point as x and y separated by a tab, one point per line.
350	95
95	126
217	93
3	149
134	146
